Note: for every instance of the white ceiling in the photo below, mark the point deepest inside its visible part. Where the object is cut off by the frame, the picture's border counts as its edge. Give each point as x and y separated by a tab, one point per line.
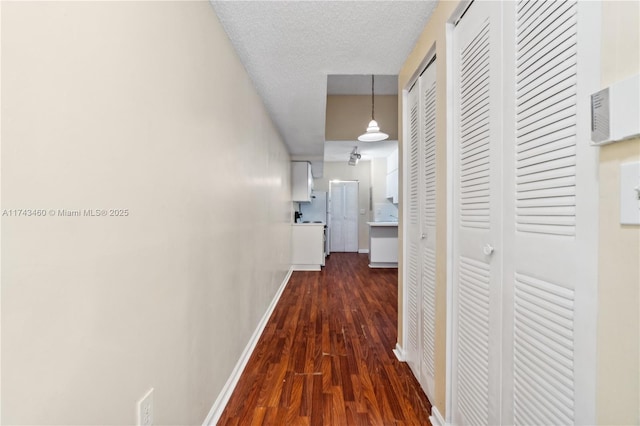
290	47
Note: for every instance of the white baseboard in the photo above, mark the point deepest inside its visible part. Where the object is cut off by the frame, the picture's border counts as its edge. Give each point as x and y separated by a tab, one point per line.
306	268
224	395
436	418
389	265
363	251
399	352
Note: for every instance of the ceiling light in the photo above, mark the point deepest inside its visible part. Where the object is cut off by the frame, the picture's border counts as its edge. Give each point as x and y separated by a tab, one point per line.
373	133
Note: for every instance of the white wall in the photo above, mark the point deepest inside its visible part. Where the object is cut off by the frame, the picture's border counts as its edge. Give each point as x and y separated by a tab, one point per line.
140	106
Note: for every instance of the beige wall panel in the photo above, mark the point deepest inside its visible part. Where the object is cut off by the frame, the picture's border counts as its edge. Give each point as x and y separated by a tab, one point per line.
348	115
141	106
618	375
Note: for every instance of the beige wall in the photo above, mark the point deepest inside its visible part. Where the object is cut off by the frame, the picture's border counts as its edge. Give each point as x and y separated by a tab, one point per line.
340	170
433	34
348	115
140	106
618	372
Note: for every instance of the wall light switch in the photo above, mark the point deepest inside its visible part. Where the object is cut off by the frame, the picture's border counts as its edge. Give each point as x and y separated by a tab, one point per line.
630	193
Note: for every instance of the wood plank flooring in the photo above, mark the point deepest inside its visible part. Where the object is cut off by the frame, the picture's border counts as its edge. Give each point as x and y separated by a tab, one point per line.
325	356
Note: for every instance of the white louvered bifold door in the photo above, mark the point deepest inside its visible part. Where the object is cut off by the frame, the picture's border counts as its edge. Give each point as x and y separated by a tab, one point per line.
427	87
477	211
551	220
412	280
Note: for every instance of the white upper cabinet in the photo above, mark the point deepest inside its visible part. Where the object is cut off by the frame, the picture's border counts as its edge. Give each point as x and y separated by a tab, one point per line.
392	177
392	161
301	181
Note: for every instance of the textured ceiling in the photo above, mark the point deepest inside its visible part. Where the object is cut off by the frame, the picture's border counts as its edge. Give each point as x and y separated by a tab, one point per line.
361	85
290	47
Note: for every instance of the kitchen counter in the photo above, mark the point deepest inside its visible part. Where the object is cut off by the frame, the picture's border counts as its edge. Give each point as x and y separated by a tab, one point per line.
383	244
307	246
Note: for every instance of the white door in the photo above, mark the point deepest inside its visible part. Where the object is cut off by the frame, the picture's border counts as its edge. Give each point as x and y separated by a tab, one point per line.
551	216
343	201
427	87
421	230
477	215
413	235
524	214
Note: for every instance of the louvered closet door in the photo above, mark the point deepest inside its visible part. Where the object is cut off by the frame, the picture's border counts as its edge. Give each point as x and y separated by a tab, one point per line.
551	269
477	161
427	194
412	344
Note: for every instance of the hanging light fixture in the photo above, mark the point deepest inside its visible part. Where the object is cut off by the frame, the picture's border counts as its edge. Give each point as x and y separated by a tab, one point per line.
373	133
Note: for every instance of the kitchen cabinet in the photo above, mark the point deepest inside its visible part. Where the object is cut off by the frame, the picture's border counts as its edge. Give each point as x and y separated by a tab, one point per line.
301	181
307	246
392	177
383	244
392	161
392	186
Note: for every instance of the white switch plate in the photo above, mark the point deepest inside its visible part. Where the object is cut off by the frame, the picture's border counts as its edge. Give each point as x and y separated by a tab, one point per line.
145	409
630	193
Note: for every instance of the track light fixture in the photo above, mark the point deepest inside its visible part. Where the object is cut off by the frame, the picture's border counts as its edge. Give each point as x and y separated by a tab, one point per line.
354	157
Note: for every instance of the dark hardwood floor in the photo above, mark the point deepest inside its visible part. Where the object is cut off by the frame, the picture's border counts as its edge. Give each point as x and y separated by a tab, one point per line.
325	356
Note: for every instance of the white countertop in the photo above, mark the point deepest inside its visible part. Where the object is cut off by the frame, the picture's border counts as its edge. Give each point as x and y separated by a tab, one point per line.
382	223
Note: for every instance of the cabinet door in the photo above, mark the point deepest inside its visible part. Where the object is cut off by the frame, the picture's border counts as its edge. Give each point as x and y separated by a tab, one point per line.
392	186
307	245
301	181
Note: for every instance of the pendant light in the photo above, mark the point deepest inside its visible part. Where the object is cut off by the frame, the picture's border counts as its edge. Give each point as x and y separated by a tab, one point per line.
373	133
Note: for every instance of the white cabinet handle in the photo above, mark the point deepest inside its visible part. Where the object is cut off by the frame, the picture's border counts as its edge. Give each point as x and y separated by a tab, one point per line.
423	236
487	249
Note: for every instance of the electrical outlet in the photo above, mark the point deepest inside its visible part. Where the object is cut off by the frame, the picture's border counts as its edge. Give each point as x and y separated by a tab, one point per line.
145	409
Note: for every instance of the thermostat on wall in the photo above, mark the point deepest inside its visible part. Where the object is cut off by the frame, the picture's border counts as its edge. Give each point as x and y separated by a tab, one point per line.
615	112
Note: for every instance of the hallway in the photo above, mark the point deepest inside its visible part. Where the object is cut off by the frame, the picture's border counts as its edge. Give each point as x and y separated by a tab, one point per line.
326	357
